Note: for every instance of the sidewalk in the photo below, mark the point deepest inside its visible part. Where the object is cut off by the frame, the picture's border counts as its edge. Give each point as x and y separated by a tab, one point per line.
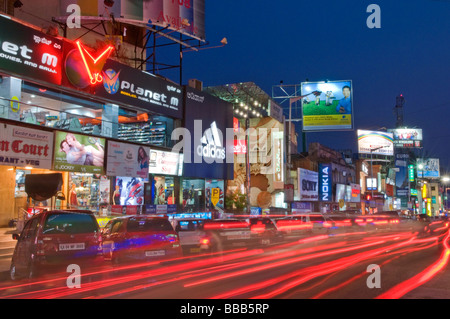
7	245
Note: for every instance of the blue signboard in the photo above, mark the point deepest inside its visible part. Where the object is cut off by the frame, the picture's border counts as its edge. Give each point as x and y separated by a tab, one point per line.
325	182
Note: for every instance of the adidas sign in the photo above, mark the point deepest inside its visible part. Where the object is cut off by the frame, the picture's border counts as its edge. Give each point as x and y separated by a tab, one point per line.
211	146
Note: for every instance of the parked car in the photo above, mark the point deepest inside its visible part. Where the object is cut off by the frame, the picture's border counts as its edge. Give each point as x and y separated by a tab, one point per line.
140	237
55	238
190	234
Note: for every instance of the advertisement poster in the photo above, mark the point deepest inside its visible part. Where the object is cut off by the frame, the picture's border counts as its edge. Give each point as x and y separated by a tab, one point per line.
187	17
428	168
79	153
129	191
355	193
214	187
24	147
341	196
325	183
376	143
308	185
207	119
407	137
127	160
167	163
28	52
327	106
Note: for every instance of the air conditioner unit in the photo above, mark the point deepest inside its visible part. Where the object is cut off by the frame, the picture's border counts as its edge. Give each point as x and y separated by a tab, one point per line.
196	84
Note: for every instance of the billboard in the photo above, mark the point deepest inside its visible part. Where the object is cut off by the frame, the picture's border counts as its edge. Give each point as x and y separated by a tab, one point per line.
327	106
308	185
428	168
129	191
78	153
207	119
28	52
187	17
21	147
373	142
125	159
165	163
407	137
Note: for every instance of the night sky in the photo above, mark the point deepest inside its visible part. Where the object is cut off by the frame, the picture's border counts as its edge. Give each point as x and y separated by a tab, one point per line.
291	41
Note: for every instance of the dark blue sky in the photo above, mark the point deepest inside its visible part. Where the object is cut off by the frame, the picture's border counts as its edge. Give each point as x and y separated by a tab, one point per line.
292	40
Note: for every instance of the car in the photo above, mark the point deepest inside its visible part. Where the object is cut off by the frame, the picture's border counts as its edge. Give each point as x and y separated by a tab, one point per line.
189	234
342	223
139	237
54	238
265	229
220	234
294	226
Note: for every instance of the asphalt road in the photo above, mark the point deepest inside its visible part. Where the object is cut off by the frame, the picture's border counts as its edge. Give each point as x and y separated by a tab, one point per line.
322	266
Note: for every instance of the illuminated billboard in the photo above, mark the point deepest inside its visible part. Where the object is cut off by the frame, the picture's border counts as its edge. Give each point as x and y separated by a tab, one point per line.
78	153
327	106
407	137
376	143
428	168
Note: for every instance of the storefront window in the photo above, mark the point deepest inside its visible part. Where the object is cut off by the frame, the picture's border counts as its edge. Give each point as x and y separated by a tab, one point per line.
193	195
129	191
87	191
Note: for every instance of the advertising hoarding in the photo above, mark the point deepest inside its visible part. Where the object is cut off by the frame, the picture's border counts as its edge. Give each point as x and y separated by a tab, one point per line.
207	119
407	137
129	191
22	147
325	182
308	185
355	193
165	163
125	159
27	52
78	153
428	168
187	17
376	143
327	106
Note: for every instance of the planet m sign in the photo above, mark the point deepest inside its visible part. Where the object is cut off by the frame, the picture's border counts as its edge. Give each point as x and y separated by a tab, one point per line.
325	182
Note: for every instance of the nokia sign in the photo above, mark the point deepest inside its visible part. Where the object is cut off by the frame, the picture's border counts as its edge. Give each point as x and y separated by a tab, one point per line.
28	52
325	182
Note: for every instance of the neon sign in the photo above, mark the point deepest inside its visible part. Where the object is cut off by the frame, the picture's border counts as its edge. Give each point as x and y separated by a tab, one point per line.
94	65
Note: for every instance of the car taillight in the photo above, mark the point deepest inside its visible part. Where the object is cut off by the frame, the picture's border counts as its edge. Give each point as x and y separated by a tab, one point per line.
204	241
173	238
40	248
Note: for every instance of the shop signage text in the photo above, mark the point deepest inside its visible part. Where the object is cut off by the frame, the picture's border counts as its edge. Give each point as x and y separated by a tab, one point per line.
325	191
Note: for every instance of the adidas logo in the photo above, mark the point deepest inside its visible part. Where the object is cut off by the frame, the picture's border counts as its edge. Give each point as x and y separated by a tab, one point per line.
211	146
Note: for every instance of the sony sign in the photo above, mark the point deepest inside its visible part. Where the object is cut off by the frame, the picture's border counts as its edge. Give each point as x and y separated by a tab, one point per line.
325	182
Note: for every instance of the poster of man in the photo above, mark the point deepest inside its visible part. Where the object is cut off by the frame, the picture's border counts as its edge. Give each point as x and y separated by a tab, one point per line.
330	107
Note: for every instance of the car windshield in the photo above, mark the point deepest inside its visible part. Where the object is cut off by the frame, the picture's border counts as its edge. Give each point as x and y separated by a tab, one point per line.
70	223
148	224
189	225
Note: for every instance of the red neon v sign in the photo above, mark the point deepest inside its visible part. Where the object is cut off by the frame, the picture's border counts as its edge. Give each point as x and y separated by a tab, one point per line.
94	65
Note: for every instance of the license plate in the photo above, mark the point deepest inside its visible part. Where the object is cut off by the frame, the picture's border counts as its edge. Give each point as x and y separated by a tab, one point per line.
74	246
152	253
195	250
